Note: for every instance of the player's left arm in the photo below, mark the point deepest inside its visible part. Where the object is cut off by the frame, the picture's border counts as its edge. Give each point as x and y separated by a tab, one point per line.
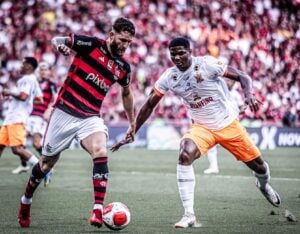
246	83
21	96
127	99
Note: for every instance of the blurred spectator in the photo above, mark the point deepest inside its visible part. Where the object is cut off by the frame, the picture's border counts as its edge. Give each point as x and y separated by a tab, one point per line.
260	37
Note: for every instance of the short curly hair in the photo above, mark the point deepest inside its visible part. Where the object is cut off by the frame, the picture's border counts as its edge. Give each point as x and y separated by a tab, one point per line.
123	24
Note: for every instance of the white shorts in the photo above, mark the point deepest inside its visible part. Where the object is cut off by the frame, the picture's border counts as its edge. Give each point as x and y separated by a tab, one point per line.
36	124
63	128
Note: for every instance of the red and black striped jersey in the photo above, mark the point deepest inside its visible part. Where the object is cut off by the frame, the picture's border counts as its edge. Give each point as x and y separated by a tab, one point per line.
49	89
92	72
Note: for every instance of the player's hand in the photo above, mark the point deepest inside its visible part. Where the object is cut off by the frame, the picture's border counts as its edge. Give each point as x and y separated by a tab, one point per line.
253	103
5	92
130	132
63	49
116	146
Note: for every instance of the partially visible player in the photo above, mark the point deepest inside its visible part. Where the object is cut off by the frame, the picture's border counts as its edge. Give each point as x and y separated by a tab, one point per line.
212	156
198	81
97	65
37	122
13	132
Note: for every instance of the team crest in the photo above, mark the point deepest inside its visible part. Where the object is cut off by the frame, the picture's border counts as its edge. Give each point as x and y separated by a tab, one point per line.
175	77
110	64
198	75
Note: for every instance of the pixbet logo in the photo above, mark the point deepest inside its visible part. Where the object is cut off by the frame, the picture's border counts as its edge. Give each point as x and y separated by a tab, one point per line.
97	80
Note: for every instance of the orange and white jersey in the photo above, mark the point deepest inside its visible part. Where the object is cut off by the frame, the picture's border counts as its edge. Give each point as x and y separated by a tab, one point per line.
19	111
203	91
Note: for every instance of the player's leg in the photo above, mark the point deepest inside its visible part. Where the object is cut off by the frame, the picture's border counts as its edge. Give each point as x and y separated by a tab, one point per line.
93	136
38	173
61	131
3	138
17	141
186	182
236	140
262	173
95	145
194	144
37	144
213	167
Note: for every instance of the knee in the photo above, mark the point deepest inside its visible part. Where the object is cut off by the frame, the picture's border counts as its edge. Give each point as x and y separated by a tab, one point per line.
36	144
185	158
99	152
47	163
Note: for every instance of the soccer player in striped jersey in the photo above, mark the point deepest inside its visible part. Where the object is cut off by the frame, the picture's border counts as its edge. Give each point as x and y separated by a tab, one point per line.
27	90
97	65
198	81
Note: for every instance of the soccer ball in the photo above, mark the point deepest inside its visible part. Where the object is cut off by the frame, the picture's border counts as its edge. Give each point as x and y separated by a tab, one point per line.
116	216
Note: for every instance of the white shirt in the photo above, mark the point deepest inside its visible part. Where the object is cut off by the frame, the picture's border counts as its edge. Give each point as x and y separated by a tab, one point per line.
208	101
19	111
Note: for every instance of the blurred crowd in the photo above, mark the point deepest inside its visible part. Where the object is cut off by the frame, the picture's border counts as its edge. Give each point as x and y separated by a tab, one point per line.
260	37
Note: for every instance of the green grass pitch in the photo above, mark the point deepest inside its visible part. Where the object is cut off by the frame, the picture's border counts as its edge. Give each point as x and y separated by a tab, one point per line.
145	180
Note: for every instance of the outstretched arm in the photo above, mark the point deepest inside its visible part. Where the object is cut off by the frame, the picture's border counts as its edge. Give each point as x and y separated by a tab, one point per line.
127	99
141	118
62	45
246	83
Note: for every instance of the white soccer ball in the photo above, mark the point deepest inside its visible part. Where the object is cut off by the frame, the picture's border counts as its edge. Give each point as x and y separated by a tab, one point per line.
116	216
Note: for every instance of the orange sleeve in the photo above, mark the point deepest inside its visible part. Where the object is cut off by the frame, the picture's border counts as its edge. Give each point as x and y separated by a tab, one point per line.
157	92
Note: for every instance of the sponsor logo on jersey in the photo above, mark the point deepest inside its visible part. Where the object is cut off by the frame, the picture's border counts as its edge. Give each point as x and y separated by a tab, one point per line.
189	86
120	63
196	97
201	103
101	58
97	80
85	43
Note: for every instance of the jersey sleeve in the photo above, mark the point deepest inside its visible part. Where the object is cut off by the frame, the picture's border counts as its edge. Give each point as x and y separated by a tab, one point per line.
214	67
82	44
161	86
38	91
126	80
24	86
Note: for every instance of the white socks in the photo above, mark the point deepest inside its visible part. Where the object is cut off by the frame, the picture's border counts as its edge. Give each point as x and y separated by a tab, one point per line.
25	200
98	207
263	179
212	158
186	186
33	160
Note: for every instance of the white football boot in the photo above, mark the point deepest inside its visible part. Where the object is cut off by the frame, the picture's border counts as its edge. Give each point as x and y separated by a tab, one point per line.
211	170
20	169
270	194
188	220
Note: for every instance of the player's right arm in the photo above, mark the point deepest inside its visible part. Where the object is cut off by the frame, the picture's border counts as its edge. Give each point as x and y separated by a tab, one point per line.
142	116
62	45
147	108
78	43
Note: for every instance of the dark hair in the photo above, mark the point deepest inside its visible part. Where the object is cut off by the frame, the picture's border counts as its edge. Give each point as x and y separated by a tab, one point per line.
32	61
123	24
180	41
